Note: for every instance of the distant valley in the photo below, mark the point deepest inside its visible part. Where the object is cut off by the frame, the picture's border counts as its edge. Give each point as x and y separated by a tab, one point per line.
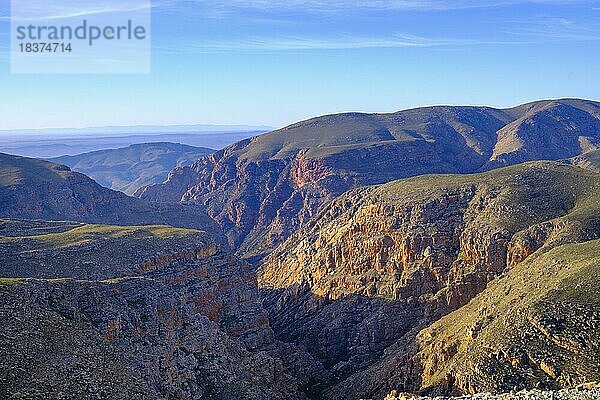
130	168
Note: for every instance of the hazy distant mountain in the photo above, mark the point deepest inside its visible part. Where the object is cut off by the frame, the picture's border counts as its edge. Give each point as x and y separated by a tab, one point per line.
130	168
262	189
135	129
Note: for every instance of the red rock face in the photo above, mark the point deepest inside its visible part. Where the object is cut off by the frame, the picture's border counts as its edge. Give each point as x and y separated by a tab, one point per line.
305	171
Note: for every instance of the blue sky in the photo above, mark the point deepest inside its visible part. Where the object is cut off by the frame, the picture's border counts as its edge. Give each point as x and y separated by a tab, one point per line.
276	62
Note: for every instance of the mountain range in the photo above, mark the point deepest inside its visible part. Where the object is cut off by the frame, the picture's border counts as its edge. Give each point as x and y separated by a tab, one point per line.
262	189
437	251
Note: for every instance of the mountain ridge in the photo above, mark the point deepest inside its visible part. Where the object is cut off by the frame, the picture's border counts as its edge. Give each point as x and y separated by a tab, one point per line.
41	190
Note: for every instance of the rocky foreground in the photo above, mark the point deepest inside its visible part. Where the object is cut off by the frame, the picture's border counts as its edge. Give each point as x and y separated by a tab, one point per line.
583	392
158	313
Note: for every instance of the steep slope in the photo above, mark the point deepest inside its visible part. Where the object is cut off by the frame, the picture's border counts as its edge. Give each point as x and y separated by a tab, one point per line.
381	263
159	313
547	130
127	169
538	325
263	189
36	189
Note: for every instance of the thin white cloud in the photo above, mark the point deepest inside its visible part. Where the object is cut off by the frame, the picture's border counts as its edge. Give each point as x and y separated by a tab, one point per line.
345	5
553	28
527	31
32	10
42	9
292	43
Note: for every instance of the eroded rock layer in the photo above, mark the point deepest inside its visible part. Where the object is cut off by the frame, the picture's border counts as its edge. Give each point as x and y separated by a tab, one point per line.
534	327
178	318
379	264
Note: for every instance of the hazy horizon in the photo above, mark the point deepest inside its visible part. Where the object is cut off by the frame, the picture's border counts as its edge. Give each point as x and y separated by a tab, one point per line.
134	128
138	129
50	143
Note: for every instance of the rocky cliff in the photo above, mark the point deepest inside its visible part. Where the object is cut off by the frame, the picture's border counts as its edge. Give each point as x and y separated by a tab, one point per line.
263	189
535	326
169	315
381	263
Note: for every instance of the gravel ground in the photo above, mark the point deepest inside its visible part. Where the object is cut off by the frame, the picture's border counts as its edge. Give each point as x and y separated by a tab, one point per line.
584	392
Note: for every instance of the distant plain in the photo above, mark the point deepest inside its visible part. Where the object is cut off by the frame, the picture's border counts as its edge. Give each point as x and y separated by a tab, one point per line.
53	143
